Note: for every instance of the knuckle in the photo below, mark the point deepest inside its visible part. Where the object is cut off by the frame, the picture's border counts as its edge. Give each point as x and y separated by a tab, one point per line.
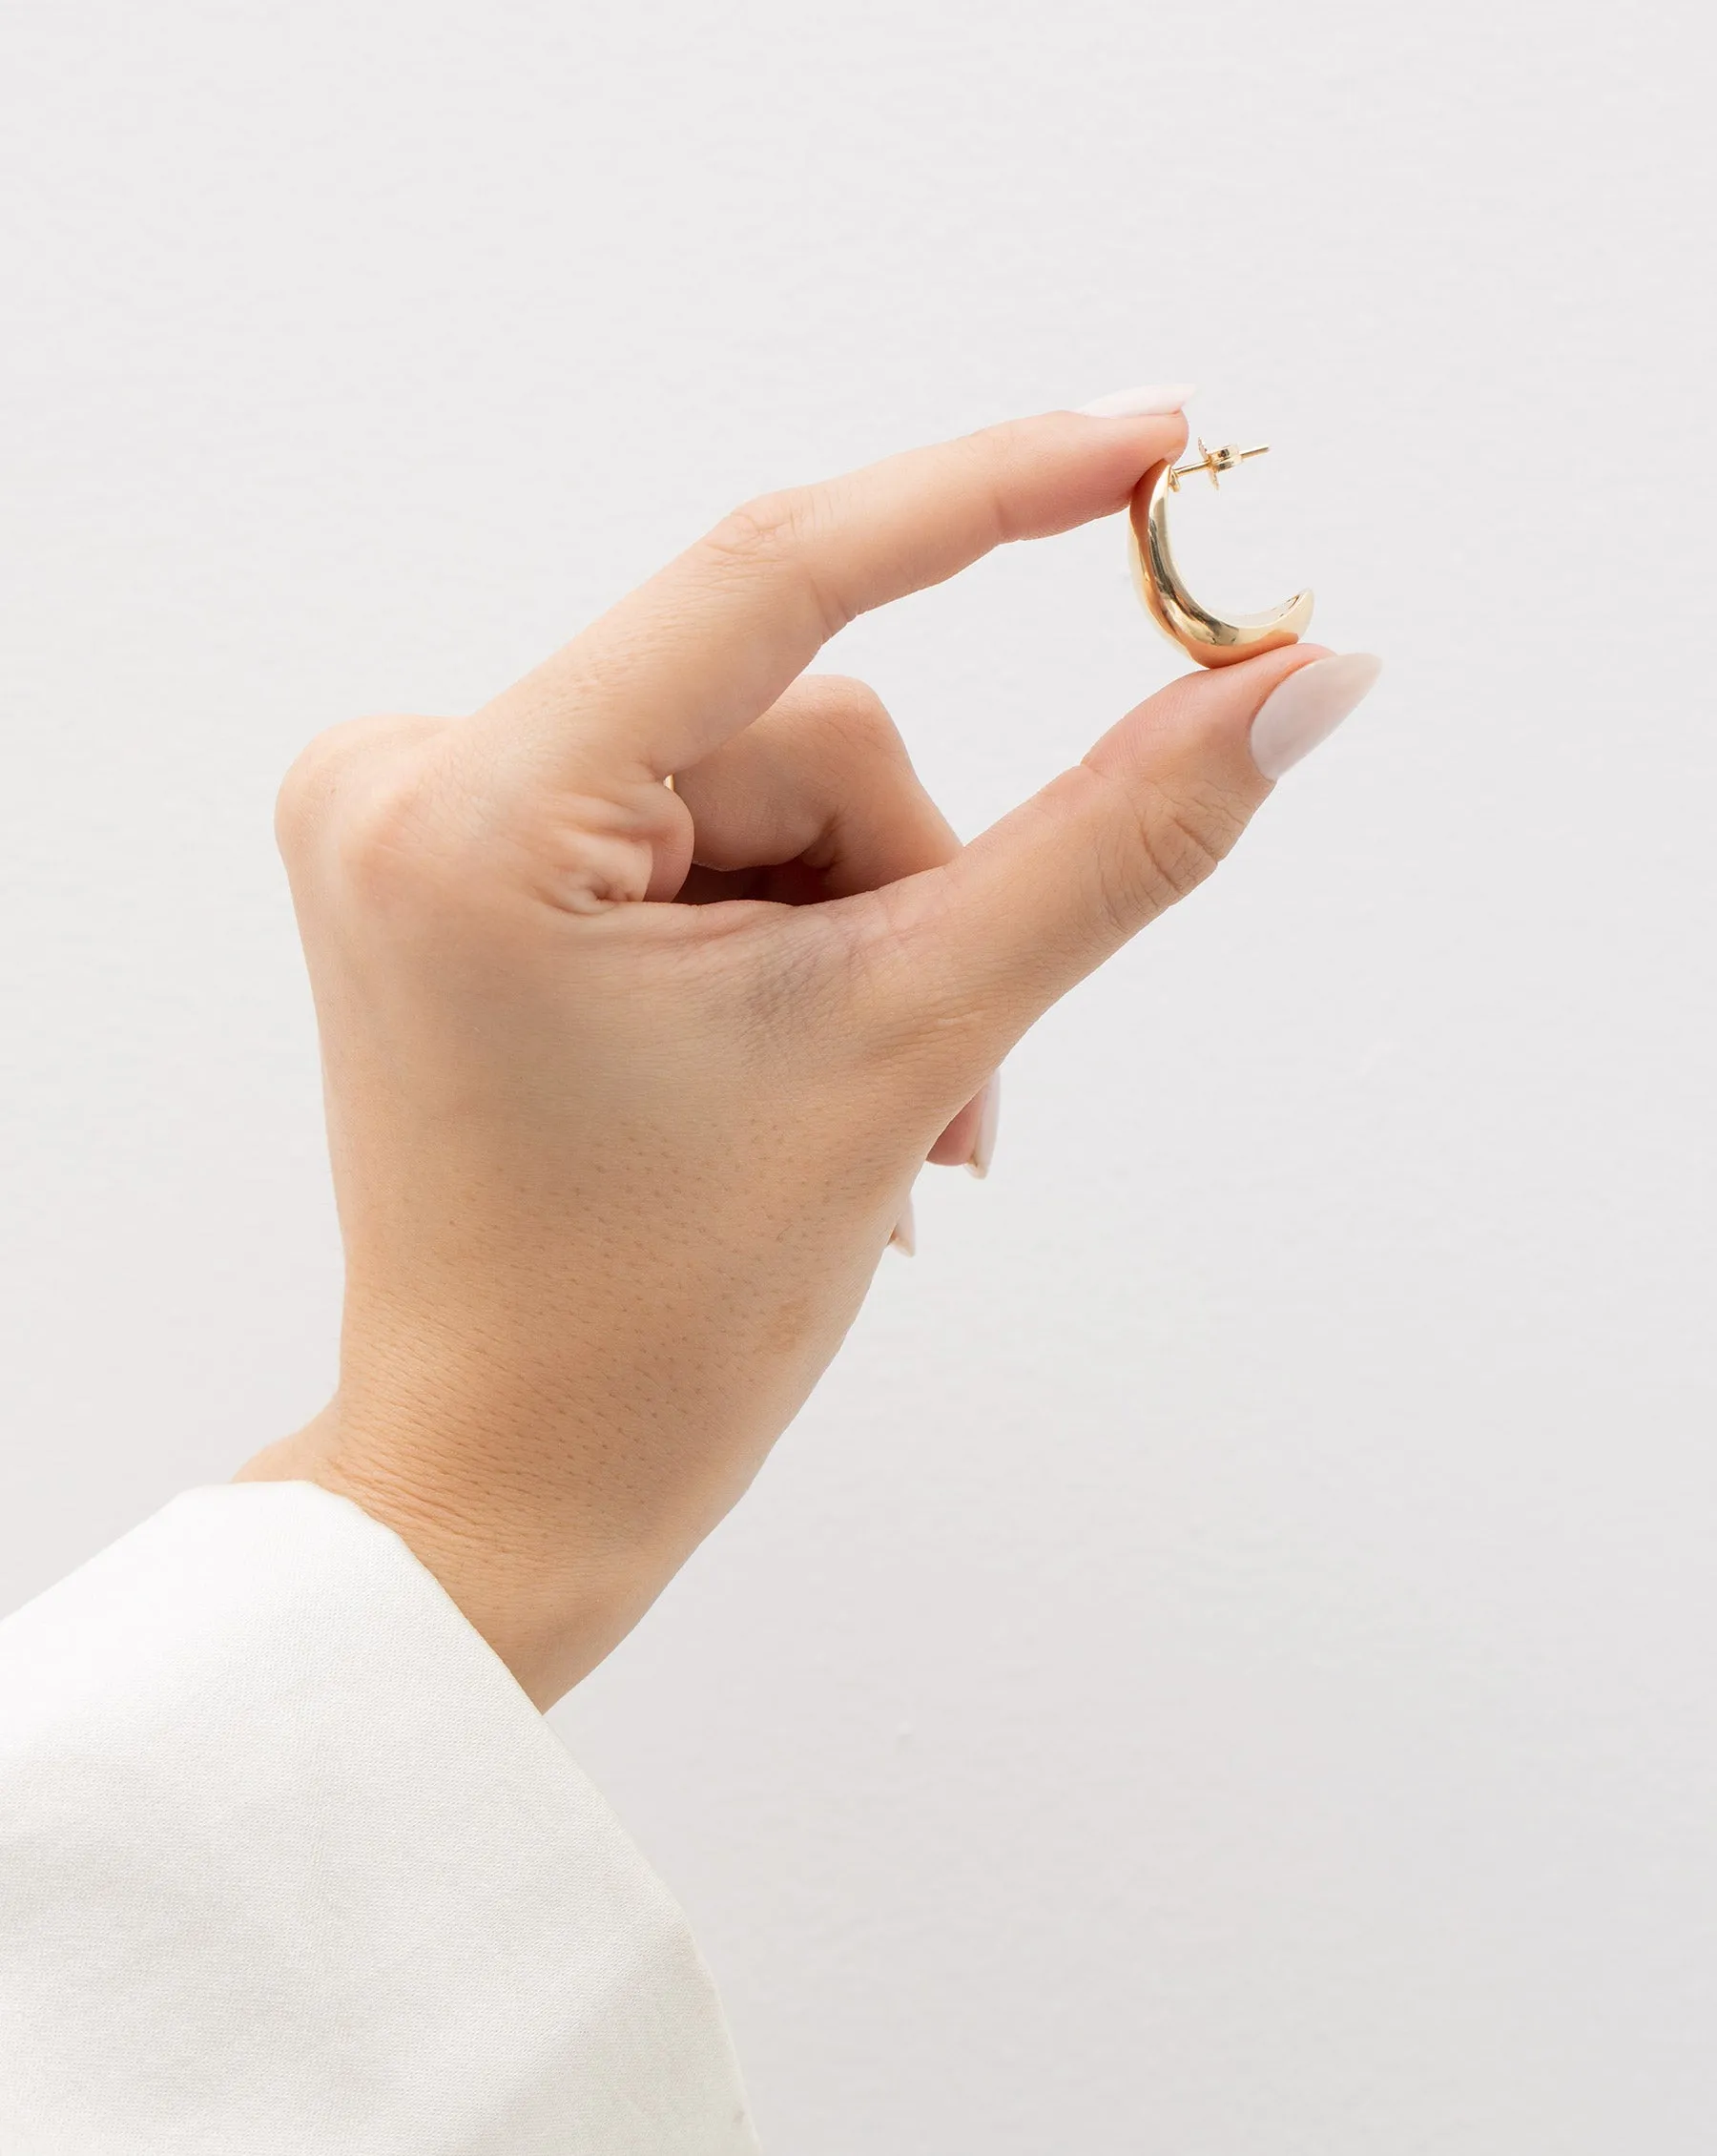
310	790
1163	846
318	782
754	531
386	848
777	537
326	767
854	720
369	821
771	530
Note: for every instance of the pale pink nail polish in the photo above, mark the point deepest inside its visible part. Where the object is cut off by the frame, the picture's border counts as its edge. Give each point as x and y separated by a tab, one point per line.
990	1115
1308	707
1149	400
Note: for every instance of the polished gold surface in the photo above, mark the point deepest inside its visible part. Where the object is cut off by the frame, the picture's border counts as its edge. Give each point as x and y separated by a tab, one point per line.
1213	639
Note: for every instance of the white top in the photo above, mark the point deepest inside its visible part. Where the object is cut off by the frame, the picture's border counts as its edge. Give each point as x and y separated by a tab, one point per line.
290	1865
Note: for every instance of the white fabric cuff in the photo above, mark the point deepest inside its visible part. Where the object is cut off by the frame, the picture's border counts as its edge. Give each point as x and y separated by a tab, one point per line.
290	1865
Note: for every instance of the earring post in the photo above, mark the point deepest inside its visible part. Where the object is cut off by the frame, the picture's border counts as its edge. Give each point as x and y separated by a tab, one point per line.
1215	462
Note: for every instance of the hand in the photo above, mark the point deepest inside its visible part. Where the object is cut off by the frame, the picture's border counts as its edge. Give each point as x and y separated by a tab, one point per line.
614	1172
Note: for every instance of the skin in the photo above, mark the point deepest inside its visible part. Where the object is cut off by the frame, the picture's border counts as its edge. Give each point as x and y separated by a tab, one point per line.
626	1086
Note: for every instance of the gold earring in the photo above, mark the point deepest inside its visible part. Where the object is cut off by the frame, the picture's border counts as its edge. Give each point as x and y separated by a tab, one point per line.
1206	636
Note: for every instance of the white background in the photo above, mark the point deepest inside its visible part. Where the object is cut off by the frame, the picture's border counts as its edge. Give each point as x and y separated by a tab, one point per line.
1225	1664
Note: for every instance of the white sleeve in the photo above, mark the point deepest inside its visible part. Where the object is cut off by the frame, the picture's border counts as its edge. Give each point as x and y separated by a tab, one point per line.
289	1865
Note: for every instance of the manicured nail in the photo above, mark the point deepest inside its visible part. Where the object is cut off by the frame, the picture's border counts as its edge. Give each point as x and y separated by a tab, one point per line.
983	1145
904	1238
1141	403
1308	707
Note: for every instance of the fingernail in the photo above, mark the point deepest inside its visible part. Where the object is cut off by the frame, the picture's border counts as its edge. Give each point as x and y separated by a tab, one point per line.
1140	402
1308	707
904	1238
983	1145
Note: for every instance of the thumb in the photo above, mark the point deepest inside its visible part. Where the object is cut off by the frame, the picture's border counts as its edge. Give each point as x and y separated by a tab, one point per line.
1044	897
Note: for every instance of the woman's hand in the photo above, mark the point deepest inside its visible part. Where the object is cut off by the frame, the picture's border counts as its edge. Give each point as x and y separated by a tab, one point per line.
614	1172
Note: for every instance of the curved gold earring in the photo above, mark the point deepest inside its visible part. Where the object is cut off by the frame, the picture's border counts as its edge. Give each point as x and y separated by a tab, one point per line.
1206	636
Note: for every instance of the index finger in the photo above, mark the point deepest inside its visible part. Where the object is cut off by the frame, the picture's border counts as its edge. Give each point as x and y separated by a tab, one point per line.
710	641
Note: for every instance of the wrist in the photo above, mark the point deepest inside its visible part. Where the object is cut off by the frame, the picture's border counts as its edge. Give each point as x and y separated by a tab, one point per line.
551	1595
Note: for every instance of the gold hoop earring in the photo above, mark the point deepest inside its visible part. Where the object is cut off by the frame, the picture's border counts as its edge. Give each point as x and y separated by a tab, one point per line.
1206	636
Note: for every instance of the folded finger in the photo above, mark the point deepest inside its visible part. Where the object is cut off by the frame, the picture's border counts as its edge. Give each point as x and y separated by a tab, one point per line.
815	799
